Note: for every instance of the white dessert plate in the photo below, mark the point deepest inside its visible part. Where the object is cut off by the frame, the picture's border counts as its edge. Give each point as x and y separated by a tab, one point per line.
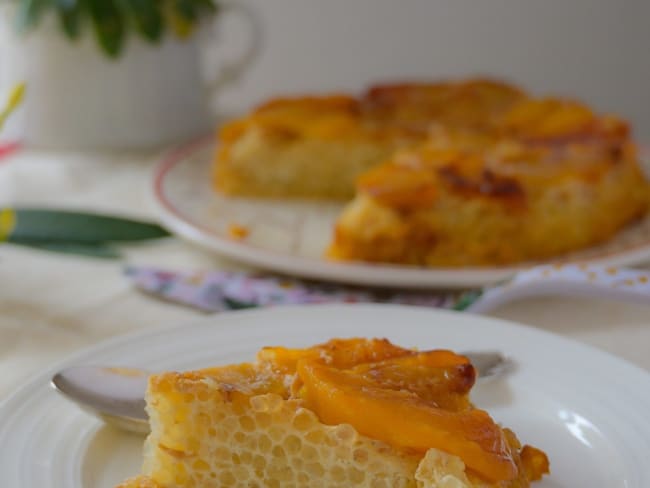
588	410
290	236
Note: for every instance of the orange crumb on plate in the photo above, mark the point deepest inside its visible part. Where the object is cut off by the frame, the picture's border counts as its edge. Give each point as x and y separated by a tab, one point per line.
238	232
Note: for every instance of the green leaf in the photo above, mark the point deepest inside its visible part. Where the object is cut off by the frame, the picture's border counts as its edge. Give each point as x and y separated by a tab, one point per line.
70	16
66	4
238	305
112	19
108	25
178	24
65	226
92	250
30	13
182	15
207	6
185	9
467	299
147	18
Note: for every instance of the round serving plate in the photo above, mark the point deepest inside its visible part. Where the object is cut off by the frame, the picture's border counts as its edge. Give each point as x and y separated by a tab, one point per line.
290	237
587	409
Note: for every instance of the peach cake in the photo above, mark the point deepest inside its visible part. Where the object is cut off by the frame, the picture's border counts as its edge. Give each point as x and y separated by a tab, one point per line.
446	174
347	413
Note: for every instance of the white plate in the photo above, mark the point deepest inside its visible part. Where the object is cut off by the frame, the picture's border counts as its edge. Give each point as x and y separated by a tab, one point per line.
588	410
290	236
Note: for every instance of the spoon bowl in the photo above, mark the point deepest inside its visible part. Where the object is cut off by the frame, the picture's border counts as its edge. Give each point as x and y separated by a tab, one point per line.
116	395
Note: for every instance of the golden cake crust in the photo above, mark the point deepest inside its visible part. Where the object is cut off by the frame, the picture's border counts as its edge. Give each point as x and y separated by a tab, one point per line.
473	104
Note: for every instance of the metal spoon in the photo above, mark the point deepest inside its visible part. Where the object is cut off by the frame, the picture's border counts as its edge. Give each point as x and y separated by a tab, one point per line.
116	395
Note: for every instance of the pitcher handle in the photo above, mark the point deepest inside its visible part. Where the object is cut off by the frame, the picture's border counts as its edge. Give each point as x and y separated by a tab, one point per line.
231	71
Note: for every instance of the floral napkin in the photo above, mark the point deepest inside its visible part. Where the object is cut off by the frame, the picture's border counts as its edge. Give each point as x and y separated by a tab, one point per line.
216	291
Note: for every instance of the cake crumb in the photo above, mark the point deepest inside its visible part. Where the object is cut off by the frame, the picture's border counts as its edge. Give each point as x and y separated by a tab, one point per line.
237	231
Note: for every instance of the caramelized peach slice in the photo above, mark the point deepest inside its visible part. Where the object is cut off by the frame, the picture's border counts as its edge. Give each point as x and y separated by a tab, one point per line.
400	186
535	462
440	378
402	419
548	119
339	353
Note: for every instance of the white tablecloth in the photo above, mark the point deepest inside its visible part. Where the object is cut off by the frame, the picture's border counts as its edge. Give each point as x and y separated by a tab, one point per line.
52	305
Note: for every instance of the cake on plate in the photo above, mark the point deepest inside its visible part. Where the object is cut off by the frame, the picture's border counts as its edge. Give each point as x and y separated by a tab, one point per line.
347	413
445	174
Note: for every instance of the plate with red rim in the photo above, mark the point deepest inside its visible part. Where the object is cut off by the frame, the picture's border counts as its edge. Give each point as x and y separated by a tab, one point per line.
585	408
290	236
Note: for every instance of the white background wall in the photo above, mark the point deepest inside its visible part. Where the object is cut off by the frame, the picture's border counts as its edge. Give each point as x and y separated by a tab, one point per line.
598	50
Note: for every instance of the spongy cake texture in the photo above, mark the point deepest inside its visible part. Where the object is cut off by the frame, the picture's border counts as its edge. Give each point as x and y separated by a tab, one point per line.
243	427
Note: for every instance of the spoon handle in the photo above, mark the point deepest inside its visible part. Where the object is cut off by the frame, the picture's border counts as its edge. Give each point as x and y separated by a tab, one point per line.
578	280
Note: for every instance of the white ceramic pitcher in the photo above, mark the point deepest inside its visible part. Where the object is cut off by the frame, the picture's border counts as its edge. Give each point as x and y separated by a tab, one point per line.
153	94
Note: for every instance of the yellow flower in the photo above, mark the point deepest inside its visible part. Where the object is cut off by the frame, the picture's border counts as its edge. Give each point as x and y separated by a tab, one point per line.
15	98
180	26
7	223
